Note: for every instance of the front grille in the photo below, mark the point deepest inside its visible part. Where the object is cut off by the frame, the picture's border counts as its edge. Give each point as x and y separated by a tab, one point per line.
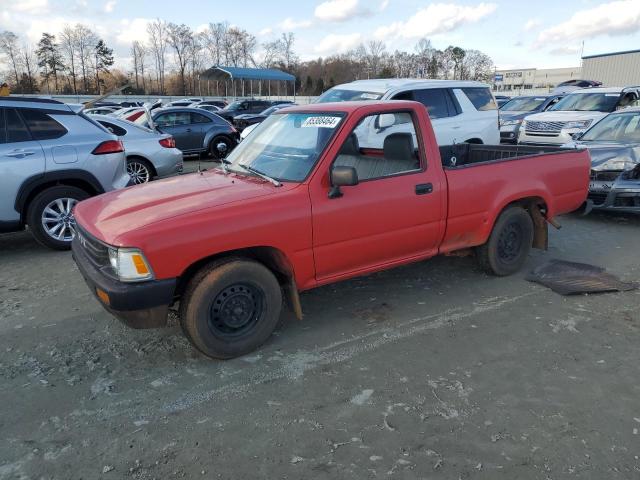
544	127
97	251
597	198
605	176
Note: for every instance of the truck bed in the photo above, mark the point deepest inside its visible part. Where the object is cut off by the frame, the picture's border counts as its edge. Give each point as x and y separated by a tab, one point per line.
483	179
468	154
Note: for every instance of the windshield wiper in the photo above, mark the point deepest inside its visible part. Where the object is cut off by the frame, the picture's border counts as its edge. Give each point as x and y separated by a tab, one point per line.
264	176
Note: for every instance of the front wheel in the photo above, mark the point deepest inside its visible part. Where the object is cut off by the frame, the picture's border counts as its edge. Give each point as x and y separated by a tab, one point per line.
229	309
509	243
50	216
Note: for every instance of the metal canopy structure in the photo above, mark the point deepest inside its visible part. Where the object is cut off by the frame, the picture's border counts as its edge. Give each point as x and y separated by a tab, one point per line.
233	74
239	73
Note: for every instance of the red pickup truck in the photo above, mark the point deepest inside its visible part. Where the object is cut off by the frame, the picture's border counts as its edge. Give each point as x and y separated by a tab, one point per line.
315	195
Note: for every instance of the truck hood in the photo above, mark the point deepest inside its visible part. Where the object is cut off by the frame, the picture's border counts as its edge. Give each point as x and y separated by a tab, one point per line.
609	156
562	116
112	214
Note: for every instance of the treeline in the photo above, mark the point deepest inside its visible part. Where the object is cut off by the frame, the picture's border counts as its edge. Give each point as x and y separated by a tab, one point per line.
172	58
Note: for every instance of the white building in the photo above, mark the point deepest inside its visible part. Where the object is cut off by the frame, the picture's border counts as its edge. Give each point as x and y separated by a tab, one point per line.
618	69
522	81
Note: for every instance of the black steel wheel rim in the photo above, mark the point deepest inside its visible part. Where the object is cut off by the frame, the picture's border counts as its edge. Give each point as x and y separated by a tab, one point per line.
236	310
510	242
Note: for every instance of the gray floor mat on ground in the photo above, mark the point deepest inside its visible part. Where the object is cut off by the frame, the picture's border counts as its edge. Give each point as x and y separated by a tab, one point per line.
570	278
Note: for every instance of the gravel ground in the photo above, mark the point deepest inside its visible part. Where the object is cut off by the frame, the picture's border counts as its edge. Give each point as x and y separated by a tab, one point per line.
434	371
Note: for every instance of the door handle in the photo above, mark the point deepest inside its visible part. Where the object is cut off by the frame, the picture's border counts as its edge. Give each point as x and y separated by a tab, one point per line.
424	188
19	153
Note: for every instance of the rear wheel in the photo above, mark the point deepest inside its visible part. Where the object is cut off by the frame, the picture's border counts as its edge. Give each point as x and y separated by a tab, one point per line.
509	243
50	216
229	309
140	170
220	147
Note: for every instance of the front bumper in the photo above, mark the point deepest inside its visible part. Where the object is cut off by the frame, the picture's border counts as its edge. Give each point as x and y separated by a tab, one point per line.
622	195
509	133
138	305
546	138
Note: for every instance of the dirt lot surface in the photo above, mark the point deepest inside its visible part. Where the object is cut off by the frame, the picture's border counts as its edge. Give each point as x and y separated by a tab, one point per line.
434	371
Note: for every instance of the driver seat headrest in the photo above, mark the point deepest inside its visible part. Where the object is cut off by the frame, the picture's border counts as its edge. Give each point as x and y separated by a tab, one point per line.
398	146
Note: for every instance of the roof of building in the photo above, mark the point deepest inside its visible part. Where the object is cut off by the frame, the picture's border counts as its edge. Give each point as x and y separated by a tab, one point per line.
239	73
610	54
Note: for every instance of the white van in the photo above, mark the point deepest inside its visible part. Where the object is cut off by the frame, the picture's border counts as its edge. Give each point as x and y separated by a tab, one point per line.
460	111
575	113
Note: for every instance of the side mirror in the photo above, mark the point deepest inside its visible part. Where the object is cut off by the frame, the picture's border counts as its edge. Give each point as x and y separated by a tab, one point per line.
342	177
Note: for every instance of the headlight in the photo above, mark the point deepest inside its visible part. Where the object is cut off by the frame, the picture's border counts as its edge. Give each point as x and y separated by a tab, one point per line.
577	124
129	264
504	123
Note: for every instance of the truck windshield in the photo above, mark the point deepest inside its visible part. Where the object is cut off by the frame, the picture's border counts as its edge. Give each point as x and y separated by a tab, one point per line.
619	127
588	102
337	95
525	104
285	146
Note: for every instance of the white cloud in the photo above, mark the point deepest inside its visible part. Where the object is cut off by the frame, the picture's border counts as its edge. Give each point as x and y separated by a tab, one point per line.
337	10
334	43
109	6
265	31
532	24
291	24
383	5
569	50
436	18
613	19
132	30
28	6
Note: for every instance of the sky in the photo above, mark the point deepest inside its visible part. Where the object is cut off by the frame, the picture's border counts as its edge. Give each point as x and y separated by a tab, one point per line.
515	34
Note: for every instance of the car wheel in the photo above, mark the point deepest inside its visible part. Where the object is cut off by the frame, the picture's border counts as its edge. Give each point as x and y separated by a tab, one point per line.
230	308
50	216
509	243
220	147
139	170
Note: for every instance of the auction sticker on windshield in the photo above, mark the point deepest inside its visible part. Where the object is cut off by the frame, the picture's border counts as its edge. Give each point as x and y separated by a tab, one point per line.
323	122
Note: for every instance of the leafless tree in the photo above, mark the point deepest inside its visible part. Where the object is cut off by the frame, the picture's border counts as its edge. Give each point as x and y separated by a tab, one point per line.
68	45
138	54
157	31
10	49
180	39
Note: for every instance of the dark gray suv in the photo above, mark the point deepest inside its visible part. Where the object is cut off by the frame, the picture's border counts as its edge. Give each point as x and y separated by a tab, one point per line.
51	158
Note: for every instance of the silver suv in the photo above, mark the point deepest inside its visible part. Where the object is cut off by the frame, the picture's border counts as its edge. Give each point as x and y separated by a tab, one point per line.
51	158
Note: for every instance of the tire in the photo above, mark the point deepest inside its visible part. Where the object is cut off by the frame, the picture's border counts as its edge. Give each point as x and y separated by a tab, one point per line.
48	217
216	152
509	243
230	308
140	170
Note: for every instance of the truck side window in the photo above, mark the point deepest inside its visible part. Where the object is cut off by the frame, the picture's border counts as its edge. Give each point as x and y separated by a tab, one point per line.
381	146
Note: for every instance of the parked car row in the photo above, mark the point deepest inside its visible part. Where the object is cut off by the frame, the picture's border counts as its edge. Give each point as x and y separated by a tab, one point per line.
604	120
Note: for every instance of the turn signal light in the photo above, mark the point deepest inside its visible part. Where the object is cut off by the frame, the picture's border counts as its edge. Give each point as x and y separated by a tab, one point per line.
110	146
139	263
168	142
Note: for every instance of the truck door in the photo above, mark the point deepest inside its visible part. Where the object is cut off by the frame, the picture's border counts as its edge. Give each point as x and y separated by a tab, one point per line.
394	213
21	157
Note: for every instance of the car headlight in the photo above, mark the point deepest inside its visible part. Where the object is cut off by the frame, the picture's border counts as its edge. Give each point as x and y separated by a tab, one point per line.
577	124
129	264
505	123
